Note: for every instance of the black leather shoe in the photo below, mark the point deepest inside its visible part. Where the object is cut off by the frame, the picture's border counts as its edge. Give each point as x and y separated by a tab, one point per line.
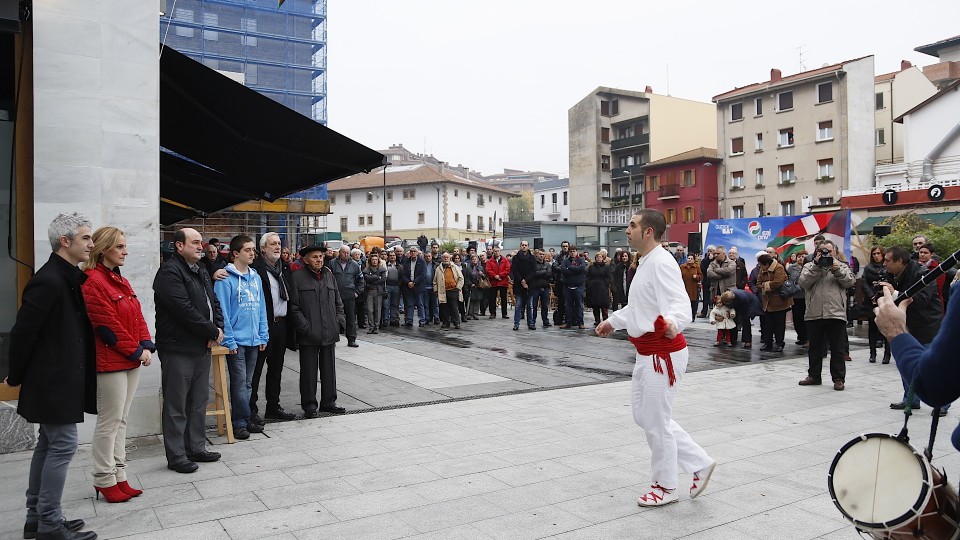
64	533
423	324
241	433
73	525
255	419
204	457
336	409
531	327
352	344
942	412
280	414
778	348
766	348
310	414
254	428
516	327
184	467
900	405
547	325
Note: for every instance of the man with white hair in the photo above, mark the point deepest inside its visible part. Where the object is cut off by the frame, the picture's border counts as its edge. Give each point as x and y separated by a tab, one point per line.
52	357
276	277
349	277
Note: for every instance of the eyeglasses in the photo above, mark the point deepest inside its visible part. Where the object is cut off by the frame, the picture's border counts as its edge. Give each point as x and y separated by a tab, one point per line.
918	243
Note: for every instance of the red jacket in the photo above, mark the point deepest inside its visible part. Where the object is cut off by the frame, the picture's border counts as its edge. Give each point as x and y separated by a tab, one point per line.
117	320
502	269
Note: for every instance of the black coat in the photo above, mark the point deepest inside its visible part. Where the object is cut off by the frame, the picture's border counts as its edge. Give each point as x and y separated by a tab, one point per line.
182	296
522	265
599	276
260	265
540	277
52	348
620	292
926	310
316	308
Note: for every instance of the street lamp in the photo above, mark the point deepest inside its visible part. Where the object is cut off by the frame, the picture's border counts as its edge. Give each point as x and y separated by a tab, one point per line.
703	180
385	165
438	212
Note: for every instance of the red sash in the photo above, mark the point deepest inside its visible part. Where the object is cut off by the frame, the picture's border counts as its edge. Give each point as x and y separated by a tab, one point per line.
659	347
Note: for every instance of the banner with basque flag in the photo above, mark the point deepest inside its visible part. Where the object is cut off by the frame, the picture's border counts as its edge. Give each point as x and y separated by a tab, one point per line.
786	234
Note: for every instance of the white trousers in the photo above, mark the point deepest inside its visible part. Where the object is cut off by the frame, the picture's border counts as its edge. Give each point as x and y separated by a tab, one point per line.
671	447
115	391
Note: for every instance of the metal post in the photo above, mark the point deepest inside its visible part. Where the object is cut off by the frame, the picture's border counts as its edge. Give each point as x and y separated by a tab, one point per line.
385	165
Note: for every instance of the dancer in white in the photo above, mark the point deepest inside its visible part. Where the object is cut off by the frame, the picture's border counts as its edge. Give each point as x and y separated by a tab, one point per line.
656	311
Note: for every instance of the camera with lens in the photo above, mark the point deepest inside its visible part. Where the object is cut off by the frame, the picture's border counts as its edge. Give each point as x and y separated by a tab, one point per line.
885	277
825	260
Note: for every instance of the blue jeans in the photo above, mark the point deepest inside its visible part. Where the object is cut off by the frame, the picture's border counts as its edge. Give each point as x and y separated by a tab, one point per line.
522	302
56	446
539	296
411	300
432	304
574	304
241	367
391	304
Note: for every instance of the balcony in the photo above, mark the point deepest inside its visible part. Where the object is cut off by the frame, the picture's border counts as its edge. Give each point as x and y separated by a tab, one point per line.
626	200
624	173
630	142
552	209
669	191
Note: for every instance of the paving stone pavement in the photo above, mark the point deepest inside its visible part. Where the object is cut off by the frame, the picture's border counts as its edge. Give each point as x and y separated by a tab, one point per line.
566	463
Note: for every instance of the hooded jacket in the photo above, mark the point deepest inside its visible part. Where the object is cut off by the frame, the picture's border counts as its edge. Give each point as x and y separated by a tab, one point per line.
244	308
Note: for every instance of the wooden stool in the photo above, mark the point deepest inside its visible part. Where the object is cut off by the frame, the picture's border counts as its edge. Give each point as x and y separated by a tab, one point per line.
221	393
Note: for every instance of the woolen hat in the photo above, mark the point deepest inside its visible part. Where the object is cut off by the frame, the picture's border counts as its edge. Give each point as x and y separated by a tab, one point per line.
310	249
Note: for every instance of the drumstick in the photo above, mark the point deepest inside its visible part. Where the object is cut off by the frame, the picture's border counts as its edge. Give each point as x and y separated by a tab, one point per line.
929	277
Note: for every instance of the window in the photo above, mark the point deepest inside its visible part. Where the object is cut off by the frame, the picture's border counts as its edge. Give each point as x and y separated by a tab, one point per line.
183	15
480	223
736	112
880	137
343	224
688	214
760	210
824	92
826	201
758	107
554	197
786	137
500	200
480	201
333	199
689	178
787	175
825	130
565	198
736	146
489	198
468	194
758	142
605	135
346	198
760	178
390	195
469	223
369	196
653	183
623	189
825	168
605	190
787	208
627	131
456	193
420	218
456	217
737	212
609	108
879	100
409	194
671	216
638	187
605	163
388	222
543	199
360	221
614	110
736	179
784	101
369	219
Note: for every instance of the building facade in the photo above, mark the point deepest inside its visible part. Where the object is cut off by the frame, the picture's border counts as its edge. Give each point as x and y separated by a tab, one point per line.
895	94
516	180
947	69
613	133
551	200
790	145
413	200
684	188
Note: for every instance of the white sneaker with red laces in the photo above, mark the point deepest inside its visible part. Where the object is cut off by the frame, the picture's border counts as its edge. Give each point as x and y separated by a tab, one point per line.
658	496
700	479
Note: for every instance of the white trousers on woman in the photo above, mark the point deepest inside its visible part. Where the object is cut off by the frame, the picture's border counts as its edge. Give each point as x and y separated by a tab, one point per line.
671	448
115	391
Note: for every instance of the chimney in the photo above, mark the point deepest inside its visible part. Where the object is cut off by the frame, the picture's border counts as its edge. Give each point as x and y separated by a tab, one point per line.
905	64
648	90
775	75
441	166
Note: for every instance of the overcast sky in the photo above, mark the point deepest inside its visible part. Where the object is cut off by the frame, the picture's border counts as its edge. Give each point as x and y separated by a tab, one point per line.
488	83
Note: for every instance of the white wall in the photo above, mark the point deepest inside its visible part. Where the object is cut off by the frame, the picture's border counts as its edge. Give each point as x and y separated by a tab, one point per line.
543	212
96	142
860	107
925	129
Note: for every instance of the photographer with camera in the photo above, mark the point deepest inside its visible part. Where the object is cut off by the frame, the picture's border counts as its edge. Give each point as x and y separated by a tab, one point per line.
825	280
925	311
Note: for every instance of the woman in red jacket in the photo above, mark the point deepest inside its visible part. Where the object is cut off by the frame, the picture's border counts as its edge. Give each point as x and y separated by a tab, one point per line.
498	271
123	344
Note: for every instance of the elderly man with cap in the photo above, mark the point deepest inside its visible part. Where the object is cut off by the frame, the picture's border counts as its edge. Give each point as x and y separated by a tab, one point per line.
317	312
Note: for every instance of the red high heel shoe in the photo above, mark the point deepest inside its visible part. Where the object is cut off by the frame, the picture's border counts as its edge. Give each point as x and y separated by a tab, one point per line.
112	494
128	489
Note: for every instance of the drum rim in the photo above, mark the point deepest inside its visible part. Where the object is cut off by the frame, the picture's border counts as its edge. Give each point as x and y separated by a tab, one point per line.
921	502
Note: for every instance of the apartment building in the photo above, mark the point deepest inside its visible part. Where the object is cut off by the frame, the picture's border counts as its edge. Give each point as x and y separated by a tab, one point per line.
894	94
551	200
613	133
684	188
790	144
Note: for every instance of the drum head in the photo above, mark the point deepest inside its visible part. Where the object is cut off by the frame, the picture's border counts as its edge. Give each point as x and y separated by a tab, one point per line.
879	482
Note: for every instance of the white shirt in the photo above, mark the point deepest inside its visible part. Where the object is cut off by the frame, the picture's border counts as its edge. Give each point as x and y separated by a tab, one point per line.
279	304
657	289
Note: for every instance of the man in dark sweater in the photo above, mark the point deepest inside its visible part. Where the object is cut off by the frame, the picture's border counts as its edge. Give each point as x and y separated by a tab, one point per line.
521	267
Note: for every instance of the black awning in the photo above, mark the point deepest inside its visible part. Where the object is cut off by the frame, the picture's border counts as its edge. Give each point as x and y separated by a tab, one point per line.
239	144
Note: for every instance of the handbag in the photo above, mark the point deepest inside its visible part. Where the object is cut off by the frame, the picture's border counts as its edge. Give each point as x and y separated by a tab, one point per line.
483	282
789	288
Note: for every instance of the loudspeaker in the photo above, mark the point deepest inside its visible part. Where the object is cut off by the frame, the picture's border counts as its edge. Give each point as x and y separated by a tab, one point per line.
538	243
881	230
694	242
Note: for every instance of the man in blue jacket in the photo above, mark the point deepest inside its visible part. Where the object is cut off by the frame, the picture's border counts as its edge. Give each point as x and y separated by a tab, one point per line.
413	284
245	330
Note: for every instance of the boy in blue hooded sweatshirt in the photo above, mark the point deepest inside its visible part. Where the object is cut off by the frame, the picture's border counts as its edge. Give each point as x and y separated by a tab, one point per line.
244	328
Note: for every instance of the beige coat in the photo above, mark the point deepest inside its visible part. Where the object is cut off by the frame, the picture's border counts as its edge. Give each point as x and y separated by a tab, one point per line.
826	291
440	289
723	276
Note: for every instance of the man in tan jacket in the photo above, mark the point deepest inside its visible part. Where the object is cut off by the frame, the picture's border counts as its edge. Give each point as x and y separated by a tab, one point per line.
448	286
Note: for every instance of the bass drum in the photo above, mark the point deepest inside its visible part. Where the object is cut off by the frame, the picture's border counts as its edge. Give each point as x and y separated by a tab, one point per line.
890	491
